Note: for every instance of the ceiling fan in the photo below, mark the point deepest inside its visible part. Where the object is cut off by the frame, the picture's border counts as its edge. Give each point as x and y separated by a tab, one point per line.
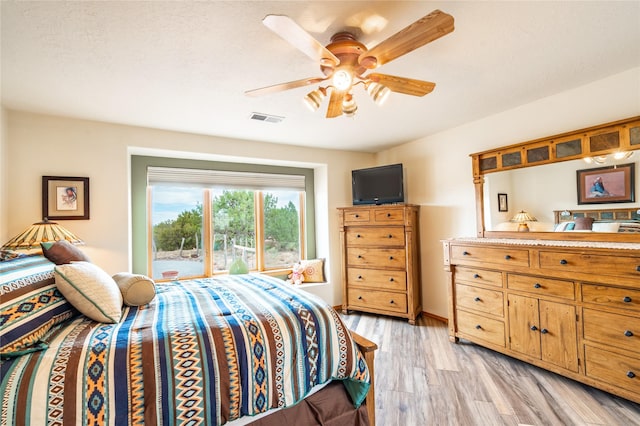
344	62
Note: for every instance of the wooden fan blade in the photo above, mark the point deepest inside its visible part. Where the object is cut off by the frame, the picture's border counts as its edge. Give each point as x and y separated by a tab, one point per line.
291	32
284	86
404	85
424	30
335	103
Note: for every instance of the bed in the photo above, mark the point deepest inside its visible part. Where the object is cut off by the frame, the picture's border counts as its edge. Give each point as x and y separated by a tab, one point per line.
612	220
233	349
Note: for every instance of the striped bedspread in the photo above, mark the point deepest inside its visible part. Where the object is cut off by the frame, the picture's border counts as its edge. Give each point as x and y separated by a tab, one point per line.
205	351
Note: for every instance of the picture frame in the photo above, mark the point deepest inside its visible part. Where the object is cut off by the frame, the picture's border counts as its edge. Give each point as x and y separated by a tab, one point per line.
65	198
503	204
603	185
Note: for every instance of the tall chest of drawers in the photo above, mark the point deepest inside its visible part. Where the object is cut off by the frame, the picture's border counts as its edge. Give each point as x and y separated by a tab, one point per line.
381	260
573	309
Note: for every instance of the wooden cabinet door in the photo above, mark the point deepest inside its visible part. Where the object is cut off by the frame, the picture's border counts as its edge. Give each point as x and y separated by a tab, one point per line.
558	336
524	325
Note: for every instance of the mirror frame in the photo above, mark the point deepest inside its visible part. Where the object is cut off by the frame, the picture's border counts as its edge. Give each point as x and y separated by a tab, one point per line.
598	140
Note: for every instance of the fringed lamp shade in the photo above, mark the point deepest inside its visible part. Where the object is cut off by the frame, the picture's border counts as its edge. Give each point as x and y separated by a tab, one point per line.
522	218
41	232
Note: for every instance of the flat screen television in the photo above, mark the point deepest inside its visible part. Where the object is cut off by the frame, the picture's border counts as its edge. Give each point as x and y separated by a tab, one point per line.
378	185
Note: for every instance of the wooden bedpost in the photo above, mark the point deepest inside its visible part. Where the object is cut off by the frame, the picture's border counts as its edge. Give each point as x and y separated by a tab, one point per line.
368	348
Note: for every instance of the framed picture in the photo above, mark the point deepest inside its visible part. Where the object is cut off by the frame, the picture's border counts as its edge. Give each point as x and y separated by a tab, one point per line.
503	205
614	184
65	198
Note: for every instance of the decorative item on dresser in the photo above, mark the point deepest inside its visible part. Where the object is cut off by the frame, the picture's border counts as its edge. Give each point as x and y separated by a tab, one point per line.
381	260
570	307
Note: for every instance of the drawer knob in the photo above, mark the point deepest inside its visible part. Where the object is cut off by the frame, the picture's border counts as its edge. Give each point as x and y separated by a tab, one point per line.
391	301
359	297
477	299
390	257
537	285
391	279
390	236
563	262
638	268
359	277
359	256
507	257
626	299
544	331
631	374
628	333
478	327
465	253
476	275
388	214
357	216
534	328
357	235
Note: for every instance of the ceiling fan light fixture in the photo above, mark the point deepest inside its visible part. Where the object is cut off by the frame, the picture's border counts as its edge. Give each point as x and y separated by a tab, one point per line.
349	106
314	98
622	155
378	92
342	79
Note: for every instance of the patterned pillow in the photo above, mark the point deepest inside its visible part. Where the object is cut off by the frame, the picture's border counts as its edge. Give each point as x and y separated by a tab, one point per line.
62	252
313	270
30	305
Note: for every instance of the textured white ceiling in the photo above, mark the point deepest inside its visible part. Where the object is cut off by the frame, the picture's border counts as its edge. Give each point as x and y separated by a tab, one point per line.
185	65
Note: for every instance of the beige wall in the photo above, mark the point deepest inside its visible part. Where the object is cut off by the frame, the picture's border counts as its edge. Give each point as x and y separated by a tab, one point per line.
4	177
438	167
44	145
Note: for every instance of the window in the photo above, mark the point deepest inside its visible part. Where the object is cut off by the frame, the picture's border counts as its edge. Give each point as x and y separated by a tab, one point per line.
199	221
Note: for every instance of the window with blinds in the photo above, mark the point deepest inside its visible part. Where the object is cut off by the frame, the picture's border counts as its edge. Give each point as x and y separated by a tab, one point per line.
202	221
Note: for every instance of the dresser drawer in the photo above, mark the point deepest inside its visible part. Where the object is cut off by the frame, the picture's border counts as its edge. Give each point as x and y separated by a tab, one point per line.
487	329
613	297
478	276
380	279
465	255
389	215
378	236
376	258
480	299
614	330
356	216
541	286
377	300
612	368
591	263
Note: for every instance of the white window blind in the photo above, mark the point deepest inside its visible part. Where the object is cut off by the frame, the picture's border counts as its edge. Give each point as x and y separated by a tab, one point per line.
225	179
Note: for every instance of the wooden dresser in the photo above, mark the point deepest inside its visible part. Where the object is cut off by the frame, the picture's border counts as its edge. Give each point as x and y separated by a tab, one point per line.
567	306
381	260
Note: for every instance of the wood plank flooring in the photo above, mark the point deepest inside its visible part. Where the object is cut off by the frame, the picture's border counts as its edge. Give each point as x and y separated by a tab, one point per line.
424	379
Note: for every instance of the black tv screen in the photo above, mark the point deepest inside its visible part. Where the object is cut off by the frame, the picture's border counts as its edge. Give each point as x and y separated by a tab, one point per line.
378	185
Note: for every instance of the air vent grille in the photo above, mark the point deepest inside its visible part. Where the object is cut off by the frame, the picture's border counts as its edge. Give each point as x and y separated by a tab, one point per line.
266	117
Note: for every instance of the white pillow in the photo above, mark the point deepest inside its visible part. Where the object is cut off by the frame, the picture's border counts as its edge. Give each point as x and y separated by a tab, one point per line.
136	289
605	226
90	290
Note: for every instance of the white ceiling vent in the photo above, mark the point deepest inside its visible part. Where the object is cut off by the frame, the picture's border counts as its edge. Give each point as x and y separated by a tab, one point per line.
266	117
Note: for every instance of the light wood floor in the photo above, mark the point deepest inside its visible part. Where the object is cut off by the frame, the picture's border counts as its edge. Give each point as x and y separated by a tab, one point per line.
421	378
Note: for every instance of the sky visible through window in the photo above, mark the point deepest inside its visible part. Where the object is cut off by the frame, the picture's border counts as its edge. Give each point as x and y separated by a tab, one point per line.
170	201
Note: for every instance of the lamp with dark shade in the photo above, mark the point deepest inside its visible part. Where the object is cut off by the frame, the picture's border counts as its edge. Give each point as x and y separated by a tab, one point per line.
522	217
41	232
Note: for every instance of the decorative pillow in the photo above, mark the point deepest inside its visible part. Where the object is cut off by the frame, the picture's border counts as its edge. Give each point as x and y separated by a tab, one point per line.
9	255
62	252
30	305
629	227
136	289
583	223
561	227
313	270
605	226
91	290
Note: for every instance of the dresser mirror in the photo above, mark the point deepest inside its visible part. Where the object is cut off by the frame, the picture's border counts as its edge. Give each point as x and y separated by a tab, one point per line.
539	177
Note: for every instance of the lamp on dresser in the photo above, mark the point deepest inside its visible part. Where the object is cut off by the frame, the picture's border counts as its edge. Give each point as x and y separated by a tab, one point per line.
522	217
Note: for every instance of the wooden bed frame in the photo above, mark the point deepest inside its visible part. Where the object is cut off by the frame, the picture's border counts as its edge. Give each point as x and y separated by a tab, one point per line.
368	348
629	213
